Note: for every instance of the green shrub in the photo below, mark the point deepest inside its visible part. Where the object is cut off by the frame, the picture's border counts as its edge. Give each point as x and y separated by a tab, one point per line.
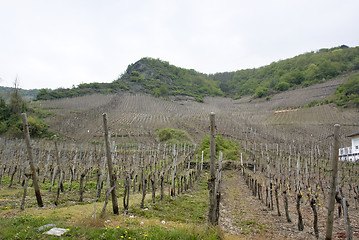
347	94
173	136
282	86
231	149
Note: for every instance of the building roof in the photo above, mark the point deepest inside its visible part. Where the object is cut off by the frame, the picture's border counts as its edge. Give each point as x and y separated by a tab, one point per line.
353	134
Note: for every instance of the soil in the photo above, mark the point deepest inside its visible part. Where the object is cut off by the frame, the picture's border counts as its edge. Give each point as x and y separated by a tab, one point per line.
243	216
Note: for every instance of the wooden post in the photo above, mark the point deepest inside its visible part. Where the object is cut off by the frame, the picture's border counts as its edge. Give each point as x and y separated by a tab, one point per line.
31	161
212	180
59	169
218	186
202	162
348	229
22	207
110	168
334	155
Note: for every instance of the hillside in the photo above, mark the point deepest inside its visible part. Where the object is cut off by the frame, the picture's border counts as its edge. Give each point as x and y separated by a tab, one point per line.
161	79
300	71
137	117
5	93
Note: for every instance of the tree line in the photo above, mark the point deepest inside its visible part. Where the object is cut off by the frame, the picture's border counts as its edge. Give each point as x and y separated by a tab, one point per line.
162	79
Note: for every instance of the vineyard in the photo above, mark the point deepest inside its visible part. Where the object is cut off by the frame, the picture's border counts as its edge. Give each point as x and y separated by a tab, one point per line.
111	175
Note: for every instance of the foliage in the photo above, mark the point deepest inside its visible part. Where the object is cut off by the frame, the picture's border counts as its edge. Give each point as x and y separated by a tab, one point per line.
173	136
5	93
282	86
159	78
231	149
260	92
81	90
300	71
347	94
11	124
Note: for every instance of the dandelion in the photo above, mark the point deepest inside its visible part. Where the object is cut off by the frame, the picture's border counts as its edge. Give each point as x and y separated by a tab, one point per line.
129	237
5	207
28	227
68	229
125	231
118	227
145	235
106	228
121	236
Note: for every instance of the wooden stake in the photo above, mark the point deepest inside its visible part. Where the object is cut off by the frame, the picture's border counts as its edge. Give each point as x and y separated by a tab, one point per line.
110	167
211	181
31	161
334	155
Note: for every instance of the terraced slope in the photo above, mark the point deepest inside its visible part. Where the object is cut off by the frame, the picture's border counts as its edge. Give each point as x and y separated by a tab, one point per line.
136	117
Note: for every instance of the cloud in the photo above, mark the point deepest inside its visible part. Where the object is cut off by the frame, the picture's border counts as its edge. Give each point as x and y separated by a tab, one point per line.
64	43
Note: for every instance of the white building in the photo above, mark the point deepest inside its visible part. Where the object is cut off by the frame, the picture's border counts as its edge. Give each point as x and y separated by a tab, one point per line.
350	153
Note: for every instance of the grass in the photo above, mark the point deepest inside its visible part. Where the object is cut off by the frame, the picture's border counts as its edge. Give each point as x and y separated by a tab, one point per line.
182	217
187	208
26	227
250	227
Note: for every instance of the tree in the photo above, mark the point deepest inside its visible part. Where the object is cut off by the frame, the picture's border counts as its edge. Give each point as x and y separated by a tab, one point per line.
312	72
43	94
260	92
328	69
163	90
282	86
17	105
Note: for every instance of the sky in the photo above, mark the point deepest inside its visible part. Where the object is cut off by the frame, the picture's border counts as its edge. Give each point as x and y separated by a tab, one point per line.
60	44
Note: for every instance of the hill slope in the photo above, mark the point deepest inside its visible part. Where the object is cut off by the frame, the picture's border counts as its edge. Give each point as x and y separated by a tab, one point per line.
159	78
137	117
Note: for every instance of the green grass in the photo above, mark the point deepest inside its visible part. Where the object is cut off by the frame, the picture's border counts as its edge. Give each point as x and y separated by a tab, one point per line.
184	215
250	227
26	227
189	207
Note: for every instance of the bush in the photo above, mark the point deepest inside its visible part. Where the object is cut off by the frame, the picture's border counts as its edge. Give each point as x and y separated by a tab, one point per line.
260	92
282	86
230	148
347	94
173	136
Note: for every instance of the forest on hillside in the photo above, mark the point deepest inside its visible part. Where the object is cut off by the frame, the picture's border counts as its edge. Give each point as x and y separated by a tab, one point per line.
162	79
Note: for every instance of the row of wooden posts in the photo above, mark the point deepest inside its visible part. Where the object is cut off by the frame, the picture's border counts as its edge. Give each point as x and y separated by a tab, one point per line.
183	182
214	182
272	187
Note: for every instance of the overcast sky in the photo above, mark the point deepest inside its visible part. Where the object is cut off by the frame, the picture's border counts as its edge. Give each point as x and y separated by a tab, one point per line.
52	44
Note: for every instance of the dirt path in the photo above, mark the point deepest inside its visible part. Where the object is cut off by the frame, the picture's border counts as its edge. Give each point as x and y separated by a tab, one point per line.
243	216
